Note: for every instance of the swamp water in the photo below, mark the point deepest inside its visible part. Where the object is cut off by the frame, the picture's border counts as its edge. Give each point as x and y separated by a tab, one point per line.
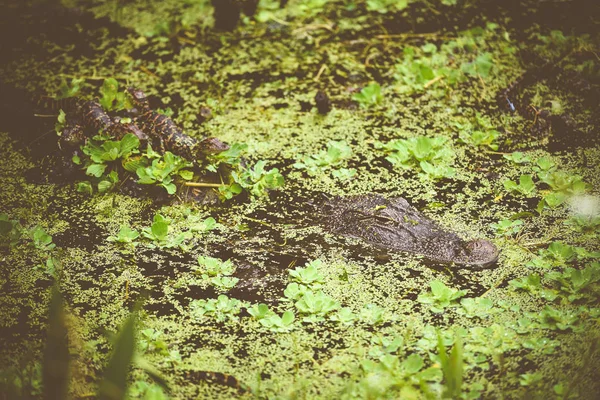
484	117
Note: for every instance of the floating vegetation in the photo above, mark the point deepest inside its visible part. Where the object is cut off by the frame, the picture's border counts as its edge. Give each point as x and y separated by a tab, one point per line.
285	199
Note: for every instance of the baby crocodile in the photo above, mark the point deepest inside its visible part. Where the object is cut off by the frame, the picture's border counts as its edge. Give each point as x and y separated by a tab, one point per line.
395	225
162	129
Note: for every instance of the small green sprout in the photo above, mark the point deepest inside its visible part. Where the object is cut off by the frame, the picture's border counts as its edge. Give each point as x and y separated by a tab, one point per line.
525	186
337	153
441	296
222	308
369	96
214	266
10	231
544	164
224	282
383	6
517	157
194	223
344	316
316	304
507	227
430	155
270	320
260	311
372	314
258	181
163	170
216	272
70	89
151	341
41	240
111	98
310	275
531	379
50	267
61	122
479	132
476	307
294	291
125	235
158	233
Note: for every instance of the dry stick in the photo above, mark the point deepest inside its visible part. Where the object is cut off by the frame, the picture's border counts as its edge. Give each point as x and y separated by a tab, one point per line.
321	70
203	184
434	80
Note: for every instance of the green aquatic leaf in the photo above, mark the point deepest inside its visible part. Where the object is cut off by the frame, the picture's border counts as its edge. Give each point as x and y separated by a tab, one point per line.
114	384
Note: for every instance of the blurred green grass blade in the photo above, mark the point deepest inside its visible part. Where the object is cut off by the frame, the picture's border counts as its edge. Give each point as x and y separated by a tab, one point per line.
55	370
153	372
114	385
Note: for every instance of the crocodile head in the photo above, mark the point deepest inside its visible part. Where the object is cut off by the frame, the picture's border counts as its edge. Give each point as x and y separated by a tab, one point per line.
480	253
139	99
211	145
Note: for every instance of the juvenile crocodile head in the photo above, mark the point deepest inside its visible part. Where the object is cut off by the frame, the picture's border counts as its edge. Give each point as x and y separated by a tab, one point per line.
478	253
394	225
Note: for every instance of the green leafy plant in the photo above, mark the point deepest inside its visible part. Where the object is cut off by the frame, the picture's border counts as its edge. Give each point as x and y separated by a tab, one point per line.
476	307
452	367
440	296
70	89
337	153
125	235
478	132
578	284
294	291
222	308
217	272
430	155
41	240
435	68
101	163
162	171
257	180
214	266
151	341
508	227
316	304
272	321
112	98
561	320
309	275
11	231
369	96
383	6
372	314
517	157
344	316
525	186
158	233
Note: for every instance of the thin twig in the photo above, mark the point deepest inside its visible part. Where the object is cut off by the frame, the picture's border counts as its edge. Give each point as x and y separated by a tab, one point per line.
203	184
434	80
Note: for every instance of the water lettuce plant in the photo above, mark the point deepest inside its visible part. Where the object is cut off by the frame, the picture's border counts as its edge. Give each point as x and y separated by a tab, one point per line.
432	156
369	96
441	296
333	158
